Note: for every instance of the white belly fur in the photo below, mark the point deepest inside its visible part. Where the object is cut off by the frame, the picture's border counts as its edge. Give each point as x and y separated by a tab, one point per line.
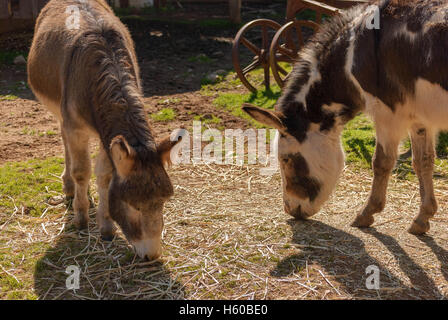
431	104
428	107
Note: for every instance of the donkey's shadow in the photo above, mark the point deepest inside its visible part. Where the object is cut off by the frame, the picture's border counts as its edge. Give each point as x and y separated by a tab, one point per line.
344	257
441	253
107	270
413	271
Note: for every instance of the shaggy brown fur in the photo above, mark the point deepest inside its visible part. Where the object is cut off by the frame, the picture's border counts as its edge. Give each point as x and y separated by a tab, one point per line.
89	78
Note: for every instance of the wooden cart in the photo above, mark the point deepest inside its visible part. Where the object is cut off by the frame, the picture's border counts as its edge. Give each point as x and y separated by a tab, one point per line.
273	47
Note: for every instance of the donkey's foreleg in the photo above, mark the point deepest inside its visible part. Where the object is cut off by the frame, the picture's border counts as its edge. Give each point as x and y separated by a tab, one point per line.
80	171
67	180
383	163
423	155
103	171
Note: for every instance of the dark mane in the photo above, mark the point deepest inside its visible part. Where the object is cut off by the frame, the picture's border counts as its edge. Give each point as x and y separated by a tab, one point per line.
114	89
317	47
324	51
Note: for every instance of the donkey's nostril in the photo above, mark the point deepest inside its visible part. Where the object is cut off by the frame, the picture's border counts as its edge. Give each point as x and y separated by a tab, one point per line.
296	213
107	238
151	257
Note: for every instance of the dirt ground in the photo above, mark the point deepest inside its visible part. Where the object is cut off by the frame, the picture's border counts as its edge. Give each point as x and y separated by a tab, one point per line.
226	235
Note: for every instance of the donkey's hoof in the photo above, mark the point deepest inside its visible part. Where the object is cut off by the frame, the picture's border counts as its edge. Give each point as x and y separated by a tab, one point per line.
107	237
362	221
419	227
81	223
107	234
69	189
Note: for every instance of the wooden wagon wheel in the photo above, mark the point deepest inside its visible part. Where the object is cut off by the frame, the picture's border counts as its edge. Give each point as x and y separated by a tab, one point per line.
260	52
286	45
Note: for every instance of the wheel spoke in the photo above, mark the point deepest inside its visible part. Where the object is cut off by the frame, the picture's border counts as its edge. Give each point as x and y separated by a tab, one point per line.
255	64
251	46
265	42
283	58
281	70
287	52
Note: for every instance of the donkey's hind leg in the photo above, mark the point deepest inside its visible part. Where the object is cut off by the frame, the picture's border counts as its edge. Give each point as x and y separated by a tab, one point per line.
67	180
423	155
80	170
103	171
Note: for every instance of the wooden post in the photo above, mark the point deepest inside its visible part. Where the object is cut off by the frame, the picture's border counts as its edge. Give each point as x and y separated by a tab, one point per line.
235	11
5	9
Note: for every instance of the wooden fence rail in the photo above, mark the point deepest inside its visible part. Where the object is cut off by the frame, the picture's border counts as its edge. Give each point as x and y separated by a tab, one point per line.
20	14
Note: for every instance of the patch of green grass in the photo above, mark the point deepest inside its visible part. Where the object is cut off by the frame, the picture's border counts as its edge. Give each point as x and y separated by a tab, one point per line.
170	101
216	23
442	146
232	102
227	83
28	183
48	133
28	131
207	119
166	114
228	99
358	139
8	97
201	58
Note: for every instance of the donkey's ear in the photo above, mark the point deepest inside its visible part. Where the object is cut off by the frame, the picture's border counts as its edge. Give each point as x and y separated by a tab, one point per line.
165	146
267	117
122	155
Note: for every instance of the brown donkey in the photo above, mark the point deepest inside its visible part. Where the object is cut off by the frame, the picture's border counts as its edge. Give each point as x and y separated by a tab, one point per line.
82	66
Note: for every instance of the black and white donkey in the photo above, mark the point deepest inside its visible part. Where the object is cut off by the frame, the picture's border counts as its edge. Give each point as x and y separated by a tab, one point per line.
398	74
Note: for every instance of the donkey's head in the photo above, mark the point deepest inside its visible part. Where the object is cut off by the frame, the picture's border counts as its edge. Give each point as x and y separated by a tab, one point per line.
309	167
138	190
320	97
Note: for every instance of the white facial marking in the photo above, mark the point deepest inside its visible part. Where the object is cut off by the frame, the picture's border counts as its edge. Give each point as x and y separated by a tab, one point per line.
315	76
288	145
150	248
325	159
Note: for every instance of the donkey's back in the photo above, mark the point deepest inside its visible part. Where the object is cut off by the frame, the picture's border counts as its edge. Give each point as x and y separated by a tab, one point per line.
59	31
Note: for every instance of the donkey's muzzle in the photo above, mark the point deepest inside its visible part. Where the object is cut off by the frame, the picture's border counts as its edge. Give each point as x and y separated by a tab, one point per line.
296	212
149	249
